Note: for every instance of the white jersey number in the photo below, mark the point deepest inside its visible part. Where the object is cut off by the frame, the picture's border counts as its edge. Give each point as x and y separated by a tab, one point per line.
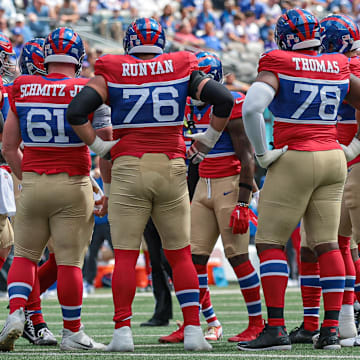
58	114
326	99
143	95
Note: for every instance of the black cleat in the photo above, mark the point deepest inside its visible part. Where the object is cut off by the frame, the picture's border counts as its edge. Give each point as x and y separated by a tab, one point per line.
301	336
327	339
271	338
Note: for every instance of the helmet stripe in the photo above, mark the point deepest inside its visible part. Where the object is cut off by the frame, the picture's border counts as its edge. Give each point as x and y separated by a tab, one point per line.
306	24
139	34
70	43
61	38
341	21
294	28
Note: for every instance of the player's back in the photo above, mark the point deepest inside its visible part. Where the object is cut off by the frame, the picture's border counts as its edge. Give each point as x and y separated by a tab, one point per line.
347	125
311	88
50	144
147	100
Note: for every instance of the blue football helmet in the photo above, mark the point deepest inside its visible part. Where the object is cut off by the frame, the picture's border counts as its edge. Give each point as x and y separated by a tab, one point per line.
6	52
339	33
144	35
210	64
64	45
297	29
31	61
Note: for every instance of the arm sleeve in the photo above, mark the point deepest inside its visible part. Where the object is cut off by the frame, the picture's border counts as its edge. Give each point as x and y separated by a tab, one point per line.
83	104
102	117
257	99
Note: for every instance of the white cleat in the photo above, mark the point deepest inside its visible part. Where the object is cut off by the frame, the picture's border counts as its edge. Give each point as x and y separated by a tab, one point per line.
194	339
350	342
122	340
347	327
12	330
79	341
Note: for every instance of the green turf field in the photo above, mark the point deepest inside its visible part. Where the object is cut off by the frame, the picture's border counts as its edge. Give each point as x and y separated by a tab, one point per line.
230	309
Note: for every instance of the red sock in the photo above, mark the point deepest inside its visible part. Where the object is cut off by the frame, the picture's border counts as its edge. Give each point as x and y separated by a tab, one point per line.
70	291
186	283
22	272
274	276
2	262
207	308
47	273
350	274
33	305
357	281
147	266
124	285
332	266
203	280
311	294
250	287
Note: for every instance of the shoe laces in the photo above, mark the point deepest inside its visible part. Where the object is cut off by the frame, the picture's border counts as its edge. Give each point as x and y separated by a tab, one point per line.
29	325
211	330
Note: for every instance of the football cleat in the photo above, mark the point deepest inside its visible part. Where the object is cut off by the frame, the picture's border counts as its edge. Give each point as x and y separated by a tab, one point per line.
12	330
122	340
194	339
214	333
176	336
327	339
299	335
248	334
271	338
79	341
350	342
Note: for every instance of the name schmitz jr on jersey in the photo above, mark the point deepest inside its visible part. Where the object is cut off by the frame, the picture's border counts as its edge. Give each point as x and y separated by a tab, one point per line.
48	90
326	66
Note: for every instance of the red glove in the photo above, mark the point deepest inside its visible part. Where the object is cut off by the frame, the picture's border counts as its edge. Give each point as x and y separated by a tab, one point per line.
239	219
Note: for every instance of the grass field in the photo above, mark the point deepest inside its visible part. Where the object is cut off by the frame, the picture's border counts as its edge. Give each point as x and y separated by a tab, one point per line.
230	308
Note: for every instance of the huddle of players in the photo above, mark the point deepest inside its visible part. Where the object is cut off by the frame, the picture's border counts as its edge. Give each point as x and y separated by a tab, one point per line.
283	75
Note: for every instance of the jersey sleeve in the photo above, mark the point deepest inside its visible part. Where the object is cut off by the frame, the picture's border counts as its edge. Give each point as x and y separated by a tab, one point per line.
13	94
354	64
102	67
238	104
101	118
193	62
270	61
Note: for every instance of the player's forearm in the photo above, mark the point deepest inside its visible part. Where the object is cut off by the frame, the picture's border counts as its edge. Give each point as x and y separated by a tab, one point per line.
14	159
257	100
246	177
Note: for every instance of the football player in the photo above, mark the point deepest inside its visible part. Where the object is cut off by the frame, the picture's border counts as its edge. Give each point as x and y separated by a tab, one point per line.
220	206
306	170
57	195
147	91
339	33
6	50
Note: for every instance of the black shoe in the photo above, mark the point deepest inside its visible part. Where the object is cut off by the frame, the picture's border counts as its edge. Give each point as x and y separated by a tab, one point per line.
301	336
328	339
271	338
155	322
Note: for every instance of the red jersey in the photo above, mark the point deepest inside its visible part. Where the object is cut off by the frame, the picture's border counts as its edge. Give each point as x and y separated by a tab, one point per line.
221	161
311	88
147	100
50	144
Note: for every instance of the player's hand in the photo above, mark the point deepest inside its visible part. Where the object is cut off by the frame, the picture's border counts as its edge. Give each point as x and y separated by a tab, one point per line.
197	152
102	148
239	219
352	150
101	207
270	156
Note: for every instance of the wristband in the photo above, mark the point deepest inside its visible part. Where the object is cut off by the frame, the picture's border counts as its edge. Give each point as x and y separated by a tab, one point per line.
106	189
246	186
